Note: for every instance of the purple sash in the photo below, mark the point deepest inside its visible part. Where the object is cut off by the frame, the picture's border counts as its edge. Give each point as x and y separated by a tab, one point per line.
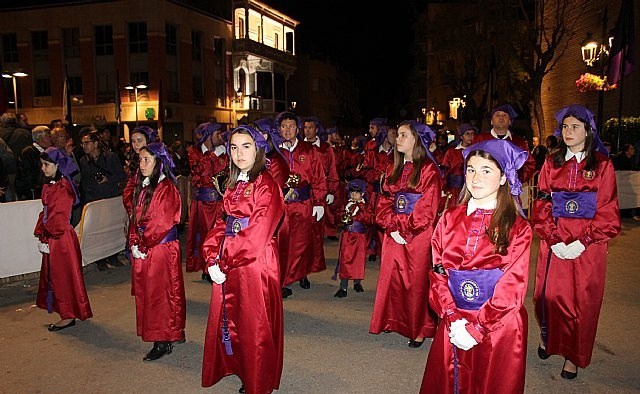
207	194
235	225
172	235
580	205
299	194
356	227
403	202
455	180
472	288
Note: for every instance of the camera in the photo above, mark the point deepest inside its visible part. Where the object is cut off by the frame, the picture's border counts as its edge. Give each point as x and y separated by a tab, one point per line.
98	176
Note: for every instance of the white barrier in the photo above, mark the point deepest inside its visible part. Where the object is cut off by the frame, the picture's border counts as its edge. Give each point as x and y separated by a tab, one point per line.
628	183
100	231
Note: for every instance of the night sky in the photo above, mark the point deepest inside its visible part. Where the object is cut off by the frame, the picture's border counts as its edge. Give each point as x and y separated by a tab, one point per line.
371	42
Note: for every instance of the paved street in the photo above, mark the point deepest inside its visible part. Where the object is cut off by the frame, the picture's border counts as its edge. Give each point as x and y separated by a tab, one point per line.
327	345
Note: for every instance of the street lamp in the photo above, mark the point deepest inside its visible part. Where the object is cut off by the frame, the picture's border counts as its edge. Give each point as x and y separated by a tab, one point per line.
135	88
18	74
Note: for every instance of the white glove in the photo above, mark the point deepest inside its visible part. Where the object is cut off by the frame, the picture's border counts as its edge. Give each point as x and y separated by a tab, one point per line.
318	212
330	199
349	205
461	338
216	274
560	250
456	324
136	253
43	248
398	238
574	249
355	211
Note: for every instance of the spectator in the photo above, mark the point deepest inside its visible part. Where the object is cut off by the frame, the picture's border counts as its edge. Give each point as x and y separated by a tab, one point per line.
23	122
180	158
16	138
624	160
29	179
539	153
9	166
552	144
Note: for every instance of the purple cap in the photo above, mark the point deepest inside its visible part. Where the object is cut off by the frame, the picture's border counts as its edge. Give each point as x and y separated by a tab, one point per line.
66	166
159	149
150	134
466	127
332	130
206	130
506	108
509	157
383	132
378	121
357	185
580	112
261	143
263	125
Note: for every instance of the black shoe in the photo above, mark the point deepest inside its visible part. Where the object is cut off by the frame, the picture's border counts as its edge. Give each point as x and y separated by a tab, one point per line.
113	262
102	265
242	389
372	257
53	327
160	349
304	283
568	375
207	277
358	288
415	344
286	292
341	293
332	238
542	353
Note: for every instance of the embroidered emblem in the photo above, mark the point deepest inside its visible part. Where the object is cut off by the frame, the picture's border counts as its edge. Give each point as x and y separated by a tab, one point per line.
572	206
248	190
293	195
236	226
401	203
213	194
588	174
302	158
469	290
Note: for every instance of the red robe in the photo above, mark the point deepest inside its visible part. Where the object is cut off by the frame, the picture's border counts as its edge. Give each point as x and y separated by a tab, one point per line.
253	297
279	171
453	164
298	247
402	303
157	282
497	363
203	214
575	288
330	176
63	265
526	172
340	196
353	246
127	193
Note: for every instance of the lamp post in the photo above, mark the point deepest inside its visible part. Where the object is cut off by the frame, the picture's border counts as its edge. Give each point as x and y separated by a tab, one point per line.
594	51
135	88
18	74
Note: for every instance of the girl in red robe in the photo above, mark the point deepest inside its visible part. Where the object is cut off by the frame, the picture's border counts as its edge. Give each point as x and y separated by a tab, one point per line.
61	288
575	216
245	328
156	271
479	279
407	212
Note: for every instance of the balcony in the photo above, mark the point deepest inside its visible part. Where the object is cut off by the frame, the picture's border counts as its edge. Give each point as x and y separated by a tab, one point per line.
261	50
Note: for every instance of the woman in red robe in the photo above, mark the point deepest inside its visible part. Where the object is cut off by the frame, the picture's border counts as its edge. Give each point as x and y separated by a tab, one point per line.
61	288
479	280
245	327
407	212
575	215
156	271
141	136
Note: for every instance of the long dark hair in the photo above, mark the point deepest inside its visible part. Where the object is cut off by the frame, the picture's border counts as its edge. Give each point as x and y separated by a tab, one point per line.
154	179
591	163
418	155
44	156
504	216
258	166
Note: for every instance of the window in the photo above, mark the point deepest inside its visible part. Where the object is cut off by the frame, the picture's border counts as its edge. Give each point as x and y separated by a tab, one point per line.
289	42
75	85
173	95
9	48
71	42
106	88
104	40
43	87
219	50
139	77
241	29
196	45
138	37
276	40
198	95
40	40
171	33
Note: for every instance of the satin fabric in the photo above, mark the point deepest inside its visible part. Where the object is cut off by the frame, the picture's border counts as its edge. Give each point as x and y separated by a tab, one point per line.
156	281
279	171
330	177
253	298
202	214
127	193
63	264
299	245
499	326
528	168
402	303
453	163
353	246
575	288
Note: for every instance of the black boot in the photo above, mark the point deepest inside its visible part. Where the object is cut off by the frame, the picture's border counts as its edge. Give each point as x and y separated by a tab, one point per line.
304	283
160	349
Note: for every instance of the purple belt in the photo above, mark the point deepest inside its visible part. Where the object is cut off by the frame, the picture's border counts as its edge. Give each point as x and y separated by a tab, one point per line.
403	202
580	205
234	225
472	288
207	194
455	180
172	235
299	194
356	227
